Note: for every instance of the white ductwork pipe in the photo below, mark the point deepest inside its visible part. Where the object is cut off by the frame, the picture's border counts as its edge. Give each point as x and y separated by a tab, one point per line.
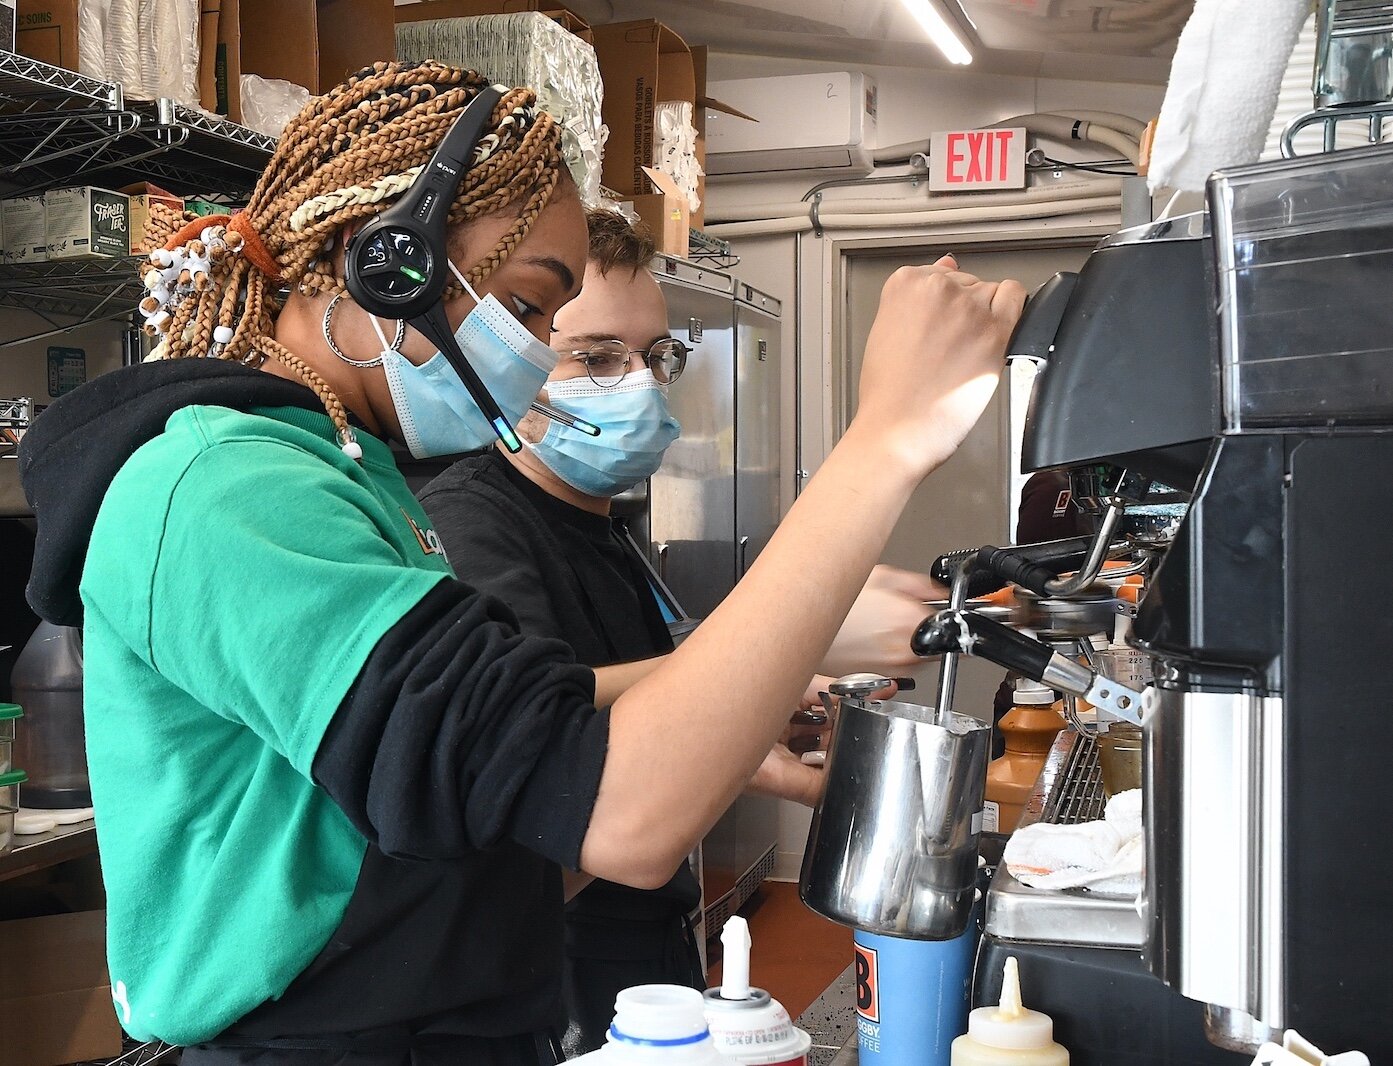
1077	190
1070	128
915	219
1076	126
1132	127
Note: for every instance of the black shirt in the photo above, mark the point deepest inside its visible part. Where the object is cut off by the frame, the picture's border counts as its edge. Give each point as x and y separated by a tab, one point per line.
566	573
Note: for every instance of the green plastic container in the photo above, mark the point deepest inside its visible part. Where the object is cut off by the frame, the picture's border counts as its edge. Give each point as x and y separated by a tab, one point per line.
10	714
9	804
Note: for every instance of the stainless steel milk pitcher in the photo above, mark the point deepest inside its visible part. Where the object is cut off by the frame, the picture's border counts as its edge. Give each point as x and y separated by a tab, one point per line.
893	845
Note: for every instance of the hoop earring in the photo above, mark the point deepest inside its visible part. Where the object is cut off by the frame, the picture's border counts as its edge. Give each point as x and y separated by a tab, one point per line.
363	364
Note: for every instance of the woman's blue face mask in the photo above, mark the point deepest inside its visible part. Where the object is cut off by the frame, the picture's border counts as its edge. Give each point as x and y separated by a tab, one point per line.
635	425
436	413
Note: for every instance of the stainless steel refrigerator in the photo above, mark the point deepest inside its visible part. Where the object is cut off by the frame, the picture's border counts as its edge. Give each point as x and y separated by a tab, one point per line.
714	505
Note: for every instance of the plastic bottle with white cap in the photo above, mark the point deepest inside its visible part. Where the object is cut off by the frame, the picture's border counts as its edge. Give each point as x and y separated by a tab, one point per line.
1009	1034
747	1024
657	1025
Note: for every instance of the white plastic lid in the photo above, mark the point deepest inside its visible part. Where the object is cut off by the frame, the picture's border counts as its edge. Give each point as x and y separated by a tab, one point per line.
659	1012
1011	1025
1033	693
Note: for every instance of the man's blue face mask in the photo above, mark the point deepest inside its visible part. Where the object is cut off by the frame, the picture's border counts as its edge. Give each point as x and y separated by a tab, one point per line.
635	424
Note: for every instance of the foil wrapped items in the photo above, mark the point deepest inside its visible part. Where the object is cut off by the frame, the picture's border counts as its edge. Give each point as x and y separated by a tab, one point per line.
675	148
527	48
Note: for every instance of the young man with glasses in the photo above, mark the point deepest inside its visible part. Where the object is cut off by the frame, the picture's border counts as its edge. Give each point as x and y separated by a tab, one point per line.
534	530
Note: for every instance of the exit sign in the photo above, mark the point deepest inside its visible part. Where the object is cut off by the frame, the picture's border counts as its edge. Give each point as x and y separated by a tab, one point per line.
972	160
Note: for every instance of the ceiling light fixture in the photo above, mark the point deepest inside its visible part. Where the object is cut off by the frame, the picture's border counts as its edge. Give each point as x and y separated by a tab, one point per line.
940	30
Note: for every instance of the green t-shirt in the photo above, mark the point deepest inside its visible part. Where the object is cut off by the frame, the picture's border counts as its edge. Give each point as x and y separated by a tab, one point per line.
240	572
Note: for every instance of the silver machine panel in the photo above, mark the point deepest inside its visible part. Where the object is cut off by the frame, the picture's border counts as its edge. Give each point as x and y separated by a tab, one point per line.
1212	774
758	413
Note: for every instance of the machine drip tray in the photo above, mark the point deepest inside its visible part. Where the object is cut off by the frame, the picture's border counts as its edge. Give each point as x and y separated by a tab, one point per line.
1070	790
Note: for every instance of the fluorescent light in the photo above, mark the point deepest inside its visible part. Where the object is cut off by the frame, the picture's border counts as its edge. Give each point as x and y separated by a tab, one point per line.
940	31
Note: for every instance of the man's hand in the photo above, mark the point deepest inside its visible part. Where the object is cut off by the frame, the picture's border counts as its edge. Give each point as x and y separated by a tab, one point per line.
875	635
785	775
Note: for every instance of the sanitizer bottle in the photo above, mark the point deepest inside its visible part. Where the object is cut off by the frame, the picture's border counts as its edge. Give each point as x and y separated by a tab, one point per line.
658	1025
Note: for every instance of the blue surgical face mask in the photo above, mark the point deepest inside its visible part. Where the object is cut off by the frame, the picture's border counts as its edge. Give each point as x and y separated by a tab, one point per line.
436	413
636	428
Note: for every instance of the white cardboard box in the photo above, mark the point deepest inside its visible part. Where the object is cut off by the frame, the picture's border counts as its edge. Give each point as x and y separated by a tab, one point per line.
22	222
87	223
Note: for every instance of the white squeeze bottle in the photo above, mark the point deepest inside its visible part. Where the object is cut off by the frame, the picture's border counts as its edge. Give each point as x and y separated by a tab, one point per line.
1009	1034
657	1025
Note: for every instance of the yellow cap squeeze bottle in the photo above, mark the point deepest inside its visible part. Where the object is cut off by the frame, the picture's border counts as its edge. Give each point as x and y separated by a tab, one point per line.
1009	1034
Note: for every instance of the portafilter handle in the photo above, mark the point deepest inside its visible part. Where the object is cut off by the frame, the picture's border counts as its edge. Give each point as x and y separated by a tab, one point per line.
858	686
969	633
1032	566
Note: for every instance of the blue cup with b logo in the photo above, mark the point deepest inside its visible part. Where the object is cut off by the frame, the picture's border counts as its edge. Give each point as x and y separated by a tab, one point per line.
912	997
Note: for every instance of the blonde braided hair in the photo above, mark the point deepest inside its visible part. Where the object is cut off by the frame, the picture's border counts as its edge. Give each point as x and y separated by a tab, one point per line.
344	156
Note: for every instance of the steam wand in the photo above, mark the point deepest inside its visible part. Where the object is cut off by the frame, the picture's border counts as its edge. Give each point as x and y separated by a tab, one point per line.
948	670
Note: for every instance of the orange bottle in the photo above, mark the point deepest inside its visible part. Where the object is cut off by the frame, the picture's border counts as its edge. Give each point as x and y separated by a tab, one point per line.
1029	729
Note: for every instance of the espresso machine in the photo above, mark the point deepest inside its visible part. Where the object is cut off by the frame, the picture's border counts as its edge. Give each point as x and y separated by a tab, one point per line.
1243	355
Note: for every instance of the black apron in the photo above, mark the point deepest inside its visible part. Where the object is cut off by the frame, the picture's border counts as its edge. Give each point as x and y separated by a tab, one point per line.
383	1048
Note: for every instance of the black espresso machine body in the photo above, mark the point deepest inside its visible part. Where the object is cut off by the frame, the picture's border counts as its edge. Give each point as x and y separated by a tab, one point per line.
1253	368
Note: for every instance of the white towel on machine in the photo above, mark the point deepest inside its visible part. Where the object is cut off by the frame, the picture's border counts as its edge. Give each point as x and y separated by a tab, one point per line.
1223	88
1105	856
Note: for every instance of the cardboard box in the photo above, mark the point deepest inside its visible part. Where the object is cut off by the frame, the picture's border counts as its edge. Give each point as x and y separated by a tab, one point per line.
7	25
643	64
450	9
87	223
313	44
706	103
665	212
46	30
208	54
55	1000
22	220
145	237
353	34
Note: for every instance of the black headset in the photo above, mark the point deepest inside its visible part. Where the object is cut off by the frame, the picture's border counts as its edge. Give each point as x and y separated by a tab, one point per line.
397	265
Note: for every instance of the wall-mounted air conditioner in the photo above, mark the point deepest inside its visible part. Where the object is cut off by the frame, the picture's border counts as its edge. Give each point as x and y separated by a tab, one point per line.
807	123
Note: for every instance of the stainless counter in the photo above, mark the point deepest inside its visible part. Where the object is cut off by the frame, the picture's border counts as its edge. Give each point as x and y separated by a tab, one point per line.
1070	790
831	1021
49	849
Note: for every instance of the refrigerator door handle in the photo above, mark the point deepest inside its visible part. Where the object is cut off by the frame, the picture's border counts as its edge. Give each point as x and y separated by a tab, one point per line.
744	562
661	551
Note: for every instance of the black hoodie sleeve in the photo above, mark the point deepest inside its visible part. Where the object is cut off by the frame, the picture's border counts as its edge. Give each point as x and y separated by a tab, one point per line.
459	733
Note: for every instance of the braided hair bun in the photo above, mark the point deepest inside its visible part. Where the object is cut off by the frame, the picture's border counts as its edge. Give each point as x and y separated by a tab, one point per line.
341	159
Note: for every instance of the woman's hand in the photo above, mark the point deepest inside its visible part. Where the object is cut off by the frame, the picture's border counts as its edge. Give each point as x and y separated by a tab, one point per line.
933	359
875	635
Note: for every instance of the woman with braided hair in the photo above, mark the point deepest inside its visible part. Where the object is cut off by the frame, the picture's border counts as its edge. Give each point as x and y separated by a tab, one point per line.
335	789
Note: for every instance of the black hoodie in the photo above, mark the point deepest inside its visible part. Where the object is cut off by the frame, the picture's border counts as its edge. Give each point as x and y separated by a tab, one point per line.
465	754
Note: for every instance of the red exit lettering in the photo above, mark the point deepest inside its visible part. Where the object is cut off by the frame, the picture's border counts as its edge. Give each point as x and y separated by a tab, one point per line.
977	156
